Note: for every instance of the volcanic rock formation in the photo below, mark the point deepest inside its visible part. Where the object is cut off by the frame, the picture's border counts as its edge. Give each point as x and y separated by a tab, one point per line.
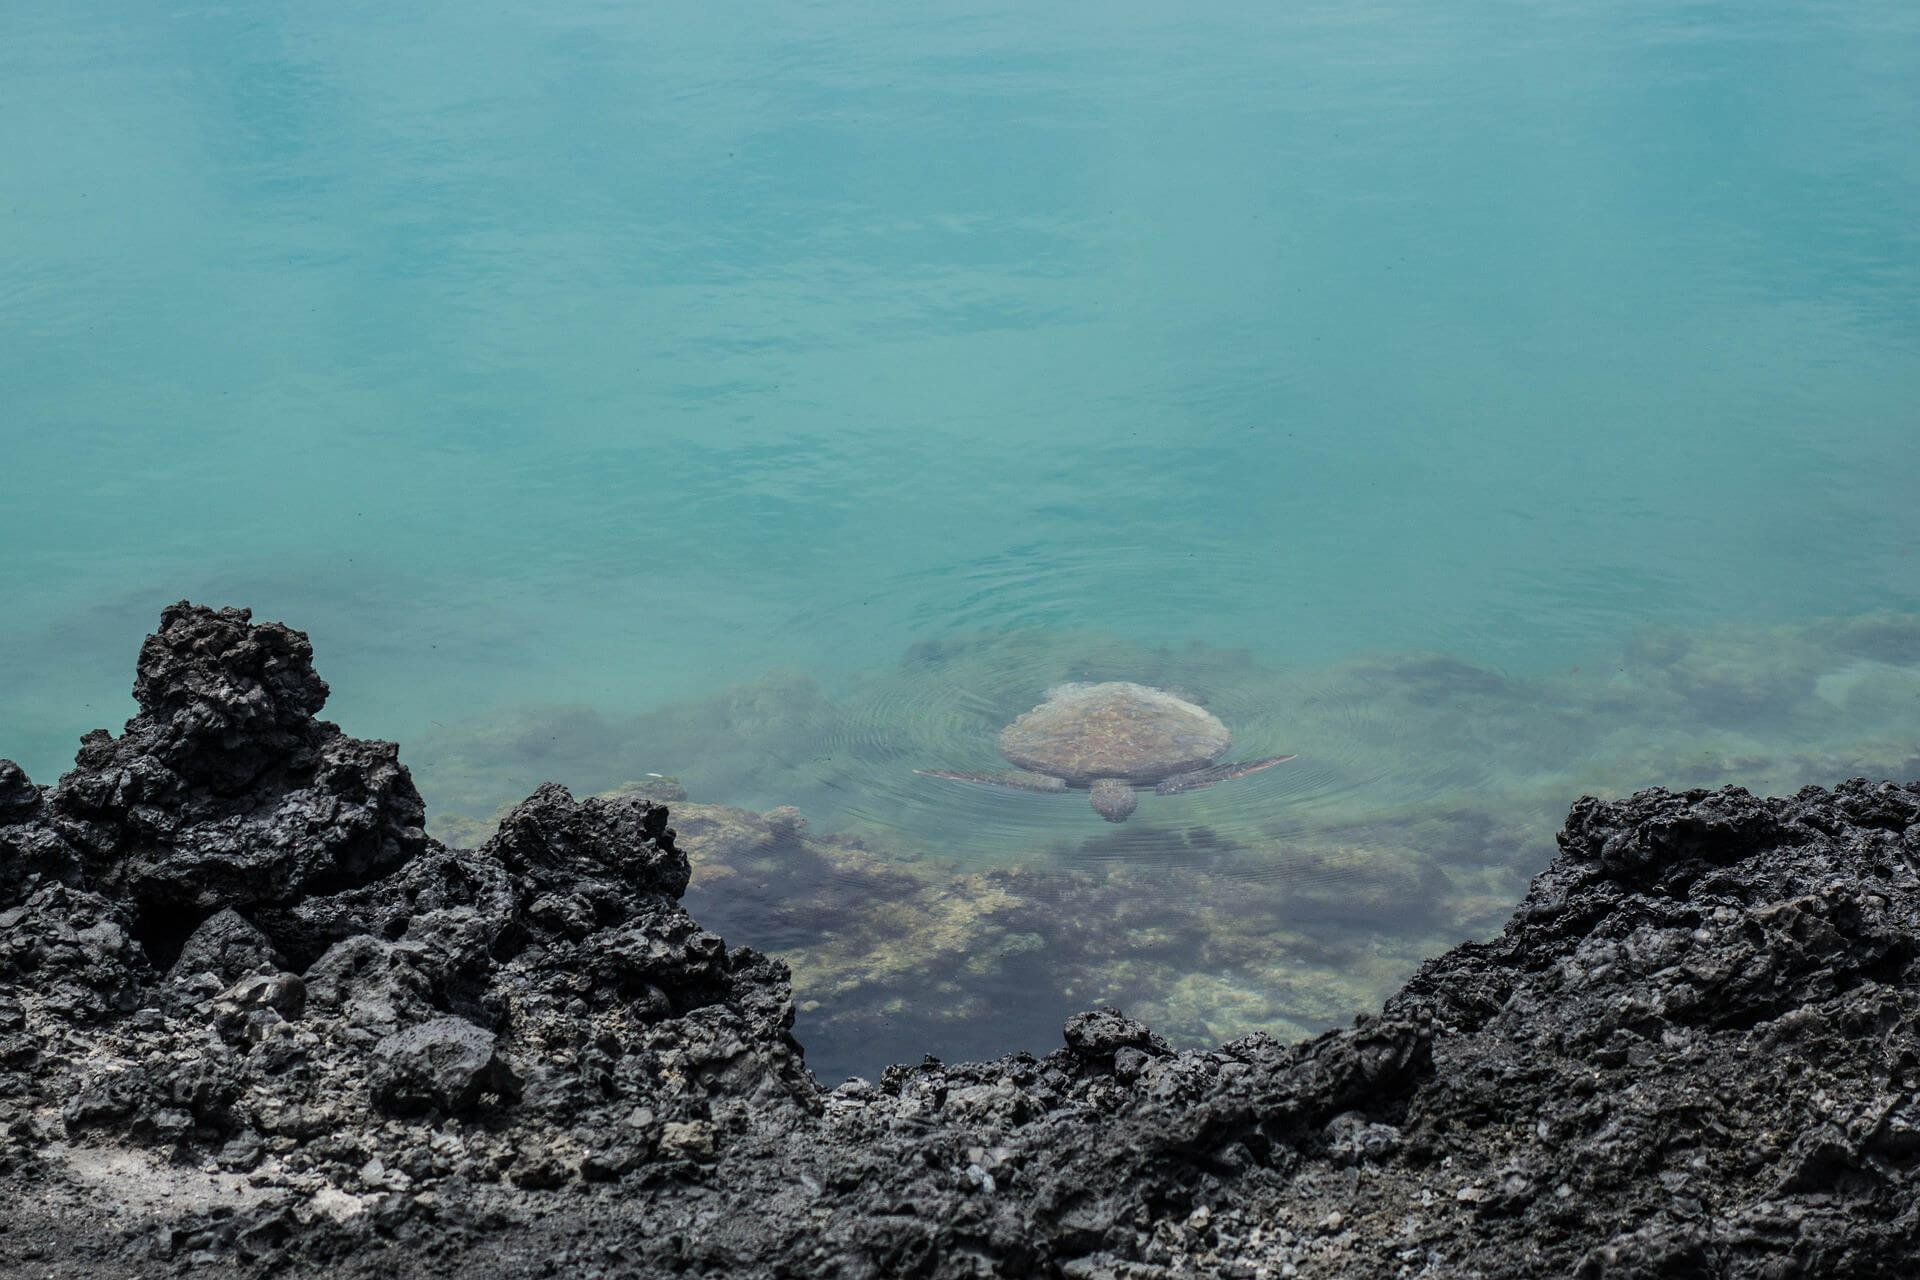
251	1016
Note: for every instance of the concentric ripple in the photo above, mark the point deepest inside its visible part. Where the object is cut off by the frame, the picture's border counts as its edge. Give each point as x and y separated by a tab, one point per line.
944	707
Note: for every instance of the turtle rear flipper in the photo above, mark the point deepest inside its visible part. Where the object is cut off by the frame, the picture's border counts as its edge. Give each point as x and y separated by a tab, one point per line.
1018	779
1215	773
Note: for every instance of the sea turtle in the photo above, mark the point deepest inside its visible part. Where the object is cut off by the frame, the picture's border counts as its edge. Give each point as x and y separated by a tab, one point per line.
1109	738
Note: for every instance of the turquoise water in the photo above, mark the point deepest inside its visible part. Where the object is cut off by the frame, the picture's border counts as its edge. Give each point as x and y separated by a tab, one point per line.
579	372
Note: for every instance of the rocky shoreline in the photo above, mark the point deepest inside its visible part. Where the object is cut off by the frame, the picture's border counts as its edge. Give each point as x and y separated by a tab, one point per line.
253	1019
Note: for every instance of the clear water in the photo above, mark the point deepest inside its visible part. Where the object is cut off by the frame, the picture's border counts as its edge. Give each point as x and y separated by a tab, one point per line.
780	397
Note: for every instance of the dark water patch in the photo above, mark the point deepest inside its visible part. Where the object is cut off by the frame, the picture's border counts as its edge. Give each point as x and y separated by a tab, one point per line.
1882	637
778	889
891	960
1021	1006
1432	678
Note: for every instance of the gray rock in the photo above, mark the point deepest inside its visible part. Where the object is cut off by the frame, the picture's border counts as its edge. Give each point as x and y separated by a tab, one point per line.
619	844
1096	1035
32	853
226	945
373	986
255	1003
19	798
445	1065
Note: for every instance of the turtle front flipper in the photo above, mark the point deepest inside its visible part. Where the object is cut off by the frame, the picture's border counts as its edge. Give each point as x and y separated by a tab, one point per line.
1018	779
1216	773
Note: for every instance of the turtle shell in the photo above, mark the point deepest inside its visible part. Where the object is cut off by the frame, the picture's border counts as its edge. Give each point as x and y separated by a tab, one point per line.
1114	730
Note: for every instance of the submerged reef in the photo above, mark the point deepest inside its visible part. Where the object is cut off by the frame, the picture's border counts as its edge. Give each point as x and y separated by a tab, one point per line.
922	916
255	1020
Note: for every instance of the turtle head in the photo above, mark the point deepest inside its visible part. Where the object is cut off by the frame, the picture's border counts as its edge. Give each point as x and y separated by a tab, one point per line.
1113	798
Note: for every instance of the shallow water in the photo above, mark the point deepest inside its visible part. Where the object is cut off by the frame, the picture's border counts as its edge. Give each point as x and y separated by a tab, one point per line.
1489	405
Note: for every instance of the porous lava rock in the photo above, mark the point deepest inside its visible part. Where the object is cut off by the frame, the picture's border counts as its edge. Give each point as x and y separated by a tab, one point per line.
227	946
444	1064
226	791
225	940
1694	1051
31	852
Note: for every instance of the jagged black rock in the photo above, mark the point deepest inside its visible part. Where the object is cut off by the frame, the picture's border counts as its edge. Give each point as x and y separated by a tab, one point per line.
252	1018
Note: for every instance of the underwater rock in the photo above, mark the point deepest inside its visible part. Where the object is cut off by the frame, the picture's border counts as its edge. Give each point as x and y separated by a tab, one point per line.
1882	637
786	822
898	959
1694	1049
1363	884
655	790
